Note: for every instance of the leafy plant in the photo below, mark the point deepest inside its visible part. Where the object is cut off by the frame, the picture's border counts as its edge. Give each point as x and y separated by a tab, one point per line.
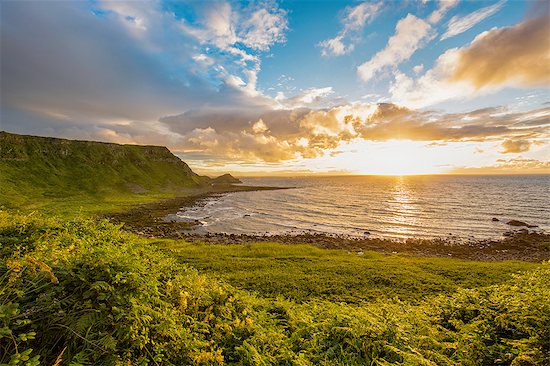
83	292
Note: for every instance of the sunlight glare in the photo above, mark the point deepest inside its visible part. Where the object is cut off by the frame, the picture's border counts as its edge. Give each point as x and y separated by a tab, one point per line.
399	157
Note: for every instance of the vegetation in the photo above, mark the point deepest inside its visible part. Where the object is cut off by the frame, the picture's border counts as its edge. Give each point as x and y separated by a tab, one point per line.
305	272
82	292
66	177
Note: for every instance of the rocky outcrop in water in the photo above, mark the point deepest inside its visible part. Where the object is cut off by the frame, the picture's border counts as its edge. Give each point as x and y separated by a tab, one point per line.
520	223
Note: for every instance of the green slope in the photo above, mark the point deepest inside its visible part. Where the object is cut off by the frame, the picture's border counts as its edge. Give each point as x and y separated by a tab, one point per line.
37	172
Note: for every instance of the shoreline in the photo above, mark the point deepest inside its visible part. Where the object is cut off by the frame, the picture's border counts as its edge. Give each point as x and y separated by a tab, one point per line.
148	220
517	245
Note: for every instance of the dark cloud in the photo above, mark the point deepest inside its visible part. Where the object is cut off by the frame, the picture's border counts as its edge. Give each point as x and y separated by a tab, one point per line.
61	58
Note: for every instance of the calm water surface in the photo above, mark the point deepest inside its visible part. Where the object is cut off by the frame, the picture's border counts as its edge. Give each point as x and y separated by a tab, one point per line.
392	207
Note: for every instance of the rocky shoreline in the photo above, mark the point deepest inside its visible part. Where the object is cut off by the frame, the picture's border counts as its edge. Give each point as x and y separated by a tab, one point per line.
149	220
515	245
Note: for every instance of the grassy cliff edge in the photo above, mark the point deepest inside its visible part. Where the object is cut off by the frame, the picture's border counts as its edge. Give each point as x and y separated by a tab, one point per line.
43	172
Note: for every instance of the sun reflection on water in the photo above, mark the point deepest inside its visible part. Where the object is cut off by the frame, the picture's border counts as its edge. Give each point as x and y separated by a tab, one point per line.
402	203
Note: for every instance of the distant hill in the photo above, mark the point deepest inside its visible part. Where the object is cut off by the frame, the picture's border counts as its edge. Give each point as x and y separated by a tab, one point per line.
32	166
225	179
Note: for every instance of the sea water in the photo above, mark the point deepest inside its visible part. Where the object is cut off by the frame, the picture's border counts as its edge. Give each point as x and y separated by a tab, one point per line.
379	206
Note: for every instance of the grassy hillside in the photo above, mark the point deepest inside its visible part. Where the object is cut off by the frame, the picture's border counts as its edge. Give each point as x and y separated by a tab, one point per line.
85	293
42	172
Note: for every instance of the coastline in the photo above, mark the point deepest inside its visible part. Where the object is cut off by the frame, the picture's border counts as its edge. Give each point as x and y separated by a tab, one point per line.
148	220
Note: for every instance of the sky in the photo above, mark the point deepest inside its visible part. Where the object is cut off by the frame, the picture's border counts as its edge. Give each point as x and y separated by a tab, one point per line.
288	87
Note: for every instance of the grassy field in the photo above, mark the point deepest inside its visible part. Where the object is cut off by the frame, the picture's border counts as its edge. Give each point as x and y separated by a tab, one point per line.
304	272
85	293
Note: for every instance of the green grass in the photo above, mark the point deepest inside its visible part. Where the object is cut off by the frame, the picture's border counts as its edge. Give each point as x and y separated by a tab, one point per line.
304	272
70	177
91	294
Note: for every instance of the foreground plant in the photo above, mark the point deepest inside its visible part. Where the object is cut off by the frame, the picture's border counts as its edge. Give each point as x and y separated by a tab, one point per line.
85	292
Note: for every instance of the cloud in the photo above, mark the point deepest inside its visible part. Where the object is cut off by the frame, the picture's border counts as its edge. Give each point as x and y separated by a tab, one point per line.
459	25
418	68
514	56
517	55
353	21
109	70
515	146
264	28
240	33
258	27
443	7
519	165
410	34
80	65
311	98
276	135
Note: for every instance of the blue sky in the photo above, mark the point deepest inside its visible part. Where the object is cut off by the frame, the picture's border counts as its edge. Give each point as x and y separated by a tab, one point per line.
288	86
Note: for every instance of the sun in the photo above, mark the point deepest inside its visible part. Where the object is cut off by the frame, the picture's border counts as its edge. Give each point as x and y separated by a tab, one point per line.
399	157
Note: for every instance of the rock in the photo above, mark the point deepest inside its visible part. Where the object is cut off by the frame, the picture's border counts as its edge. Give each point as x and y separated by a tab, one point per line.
495	219
226	179
367	233
520	223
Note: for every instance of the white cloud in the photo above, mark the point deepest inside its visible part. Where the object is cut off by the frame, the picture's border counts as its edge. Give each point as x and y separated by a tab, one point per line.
356	17
459	25
353	21
410	34
443	7
418	68
311	97
335	47
264	28
240	34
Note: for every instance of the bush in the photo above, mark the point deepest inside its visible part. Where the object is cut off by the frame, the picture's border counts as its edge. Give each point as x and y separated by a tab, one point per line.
85	292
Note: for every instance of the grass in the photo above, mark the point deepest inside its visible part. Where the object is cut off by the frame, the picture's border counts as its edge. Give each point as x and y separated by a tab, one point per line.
70	177
99	296
304	272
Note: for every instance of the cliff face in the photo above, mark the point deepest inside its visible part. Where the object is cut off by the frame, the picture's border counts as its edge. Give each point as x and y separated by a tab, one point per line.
52	166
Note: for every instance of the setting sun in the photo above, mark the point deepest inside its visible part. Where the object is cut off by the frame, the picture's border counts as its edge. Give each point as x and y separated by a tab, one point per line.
400	158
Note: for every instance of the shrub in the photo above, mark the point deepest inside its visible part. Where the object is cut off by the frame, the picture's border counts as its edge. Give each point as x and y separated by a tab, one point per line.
83	292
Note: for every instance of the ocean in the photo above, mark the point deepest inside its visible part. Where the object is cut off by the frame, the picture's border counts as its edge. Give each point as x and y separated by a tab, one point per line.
379	206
